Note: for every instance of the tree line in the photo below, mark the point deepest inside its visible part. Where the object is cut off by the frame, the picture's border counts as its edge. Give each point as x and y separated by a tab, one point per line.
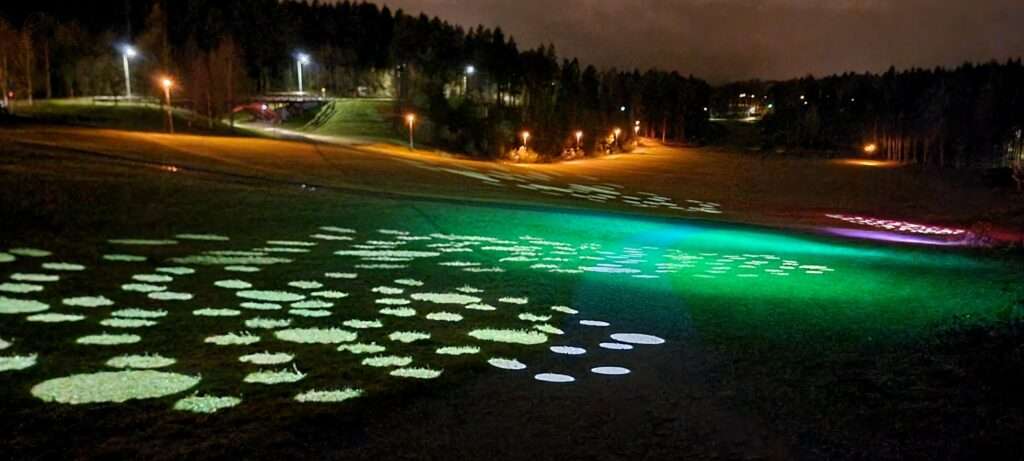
474	89
970	116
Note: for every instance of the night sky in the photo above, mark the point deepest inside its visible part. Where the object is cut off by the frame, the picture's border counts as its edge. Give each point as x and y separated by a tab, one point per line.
738	39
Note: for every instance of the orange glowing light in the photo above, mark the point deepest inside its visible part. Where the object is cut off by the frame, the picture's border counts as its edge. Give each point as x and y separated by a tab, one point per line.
167	83
870	148
410	118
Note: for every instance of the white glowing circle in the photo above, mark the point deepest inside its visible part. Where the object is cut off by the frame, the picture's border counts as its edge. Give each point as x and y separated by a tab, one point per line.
610	371
363	324
176	270
206	404
36	278
233	284
594	323
169	296
554	378
416	373
385	290
528	317
6	257
341	275
316	335
63	267
506	364
524	337
469	290
616	346
335	396
267	358
271	296
88	301
17	362
113	386
409	282
568	350
637	338
393	301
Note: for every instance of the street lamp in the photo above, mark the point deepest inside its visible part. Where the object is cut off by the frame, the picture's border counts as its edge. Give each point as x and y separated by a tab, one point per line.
127	53
579	136
526	139
410	119
301	59
167	83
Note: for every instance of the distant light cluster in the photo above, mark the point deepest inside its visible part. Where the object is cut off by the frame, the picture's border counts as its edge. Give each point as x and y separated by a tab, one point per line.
898	226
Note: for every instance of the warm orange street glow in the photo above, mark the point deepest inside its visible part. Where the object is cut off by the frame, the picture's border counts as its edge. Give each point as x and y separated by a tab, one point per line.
167	83
870	148
526	137
617	132
410	119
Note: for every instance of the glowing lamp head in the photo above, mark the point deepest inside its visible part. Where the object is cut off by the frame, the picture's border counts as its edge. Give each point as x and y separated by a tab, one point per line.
129	51
622	109
303	58
870	148
470	70
410	118
617	132
264	107
579	135
167	83
636	129
526	136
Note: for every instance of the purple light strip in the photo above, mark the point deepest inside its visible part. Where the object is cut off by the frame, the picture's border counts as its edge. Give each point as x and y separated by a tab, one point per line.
890	237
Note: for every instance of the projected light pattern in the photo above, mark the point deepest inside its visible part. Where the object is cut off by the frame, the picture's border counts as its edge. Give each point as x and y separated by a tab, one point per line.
898	226
389	305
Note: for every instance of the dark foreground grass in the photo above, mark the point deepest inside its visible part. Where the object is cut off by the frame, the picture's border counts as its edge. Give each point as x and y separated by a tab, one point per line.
131	116
871	361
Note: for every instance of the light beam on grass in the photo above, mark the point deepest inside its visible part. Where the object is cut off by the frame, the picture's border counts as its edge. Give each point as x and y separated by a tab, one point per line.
444	317
270	296
524	337
362	348
35	278
506	364
88	301
63	267
20	288
142	362
139	313
457	350
267	358
233	339
106	339
210	312
416	373
386	361
282	376
267	324
17	362
113	387
54	318
206	404
335	396
316	335
408	336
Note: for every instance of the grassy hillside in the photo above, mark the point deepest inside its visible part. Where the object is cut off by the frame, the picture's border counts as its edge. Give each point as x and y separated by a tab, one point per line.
363	119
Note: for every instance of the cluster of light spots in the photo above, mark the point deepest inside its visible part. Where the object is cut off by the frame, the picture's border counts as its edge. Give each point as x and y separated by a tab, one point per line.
386	361
458	350
20	288
610	371
139	313
211	312
506	364
17	362
140	361
142	288
117	322
113	387
528	317
142	242
106	339
444	317
270	296
267	358
29	252
330	294
88	301
446	298
398	311
176	270
55	318
203	237
334	396
169	296
267	324
554	378
408	336
233	339
363	324
316	335
123	258
362	348
233	284
206	404
283	376
898	226
35	278
416	373
63	267
525	337
306	284
568	350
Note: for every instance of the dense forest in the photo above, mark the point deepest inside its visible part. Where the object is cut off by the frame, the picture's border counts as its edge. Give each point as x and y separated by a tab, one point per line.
474	89
971	116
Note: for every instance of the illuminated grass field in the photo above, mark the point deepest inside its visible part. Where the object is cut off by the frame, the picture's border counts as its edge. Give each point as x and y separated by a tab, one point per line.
287	316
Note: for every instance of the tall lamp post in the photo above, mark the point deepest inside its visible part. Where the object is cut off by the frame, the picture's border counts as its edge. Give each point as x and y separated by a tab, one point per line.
470	70
616	132
167	83
127	53
410	119
579	137
526	140
301	59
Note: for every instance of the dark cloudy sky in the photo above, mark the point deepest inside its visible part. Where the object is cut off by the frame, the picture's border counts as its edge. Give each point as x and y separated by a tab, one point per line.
739	39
